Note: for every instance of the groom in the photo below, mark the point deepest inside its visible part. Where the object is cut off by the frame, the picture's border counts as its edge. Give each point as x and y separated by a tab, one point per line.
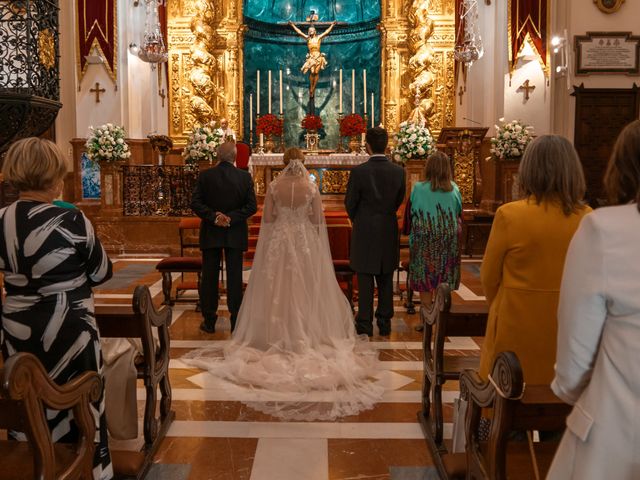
224	199
374	193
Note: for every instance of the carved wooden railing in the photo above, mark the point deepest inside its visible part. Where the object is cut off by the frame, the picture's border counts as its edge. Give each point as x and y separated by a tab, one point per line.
165	190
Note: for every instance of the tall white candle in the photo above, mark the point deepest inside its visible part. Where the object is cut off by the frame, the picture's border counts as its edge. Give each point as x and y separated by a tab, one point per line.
269	91
258	95
340	90
280	92
353	91
262	139
373	112
251	111
364	90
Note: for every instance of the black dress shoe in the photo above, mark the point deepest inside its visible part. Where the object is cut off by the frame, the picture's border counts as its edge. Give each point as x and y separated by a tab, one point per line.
208	327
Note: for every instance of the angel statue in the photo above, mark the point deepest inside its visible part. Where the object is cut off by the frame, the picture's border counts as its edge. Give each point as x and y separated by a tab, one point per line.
315	61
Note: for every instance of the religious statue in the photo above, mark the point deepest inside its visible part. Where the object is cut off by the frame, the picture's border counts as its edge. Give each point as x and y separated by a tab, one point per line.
315	61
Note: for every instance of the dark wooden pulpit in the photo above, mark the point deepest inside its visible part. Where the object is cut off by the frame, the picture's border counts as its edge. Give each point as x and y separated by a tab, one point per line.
462	144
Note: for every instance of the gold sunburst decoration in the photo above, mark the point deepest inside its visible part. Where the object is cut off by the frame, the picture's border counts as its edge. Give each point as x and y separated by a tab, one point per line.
47	48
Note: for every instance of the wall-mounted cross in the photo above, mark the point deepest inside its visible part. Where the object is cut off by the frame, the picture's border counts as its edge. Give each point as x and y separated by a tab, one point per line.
461	93
162	95
97	90
526	88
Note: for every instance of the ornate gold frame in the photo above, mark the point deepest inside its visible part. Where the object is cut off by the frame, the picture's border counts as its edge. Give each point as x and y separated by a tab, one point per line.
612	9
206	57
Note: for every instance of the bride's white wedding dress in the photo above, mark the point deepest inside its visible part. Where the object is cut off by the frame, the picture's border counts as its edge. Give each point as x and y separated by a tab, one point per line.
295	353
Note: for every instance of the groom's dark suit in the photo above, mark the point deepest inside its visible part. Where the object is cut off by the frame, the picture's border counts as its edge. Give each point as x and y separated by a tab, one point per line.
374	194
228	190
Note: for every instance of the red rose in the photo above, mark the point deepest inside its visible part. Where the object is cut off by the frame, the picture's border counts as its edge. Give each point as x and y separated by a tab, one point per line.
312	122
269	125
352	125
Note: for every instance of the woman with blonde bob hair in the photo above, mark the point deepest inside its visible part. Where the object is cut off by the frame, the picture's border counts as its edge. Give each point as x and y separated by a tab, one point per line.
523	261
599	330
51	258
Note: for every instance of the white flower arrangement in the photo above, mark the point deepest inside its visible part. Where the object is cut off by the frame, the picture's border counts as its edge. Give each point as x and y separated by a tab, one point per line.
107	143
413	142
511	139
202	144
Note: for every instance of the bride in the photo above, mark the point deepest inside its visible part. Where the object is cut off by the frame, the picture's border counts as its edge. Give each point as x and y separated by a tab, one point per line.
294	348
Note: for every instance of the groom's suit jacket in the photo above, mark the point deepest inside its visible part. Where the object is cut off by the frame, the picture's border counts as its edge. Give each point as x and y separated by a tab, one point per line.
229	190
374	193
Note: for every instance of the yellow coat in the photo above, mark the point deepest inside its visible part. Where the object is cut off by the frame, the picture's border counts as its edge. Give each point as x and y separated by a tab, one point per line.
521	273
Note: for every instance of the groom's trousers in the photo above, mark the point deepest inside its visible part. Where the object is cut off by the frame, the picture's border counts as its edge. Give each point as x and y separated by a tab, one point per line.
384	312
209	282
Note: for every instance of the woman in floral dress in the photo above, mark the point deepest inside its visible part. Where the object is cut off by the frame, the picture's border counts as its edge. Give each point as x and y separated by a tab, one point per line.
433	215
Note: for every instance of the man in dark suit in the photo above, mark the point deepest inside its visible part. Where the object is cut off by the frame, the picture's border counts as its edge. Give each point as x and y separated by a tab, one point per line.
374	194
224	199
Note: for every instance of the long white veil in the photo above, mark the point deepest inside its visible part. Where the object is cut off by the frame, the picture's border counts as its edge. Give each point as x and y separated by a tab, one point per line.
294	353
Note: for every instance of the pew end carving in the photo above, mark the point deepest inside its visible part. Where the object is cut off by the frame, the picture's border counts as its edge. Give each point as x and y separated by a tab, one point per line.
24	393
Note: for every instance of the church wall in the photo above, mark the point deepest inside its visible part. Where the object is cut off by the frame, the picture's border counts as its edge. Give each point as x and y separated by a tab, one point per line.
583	17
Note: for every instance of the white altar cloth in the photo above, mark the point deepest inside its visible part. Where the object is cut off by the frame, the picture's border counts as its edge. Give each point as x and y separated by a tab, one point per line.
333	160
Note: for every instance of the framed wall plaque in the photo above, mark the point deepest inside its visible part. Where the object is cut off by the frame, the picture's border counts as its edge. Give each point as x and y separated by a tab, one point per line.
607	52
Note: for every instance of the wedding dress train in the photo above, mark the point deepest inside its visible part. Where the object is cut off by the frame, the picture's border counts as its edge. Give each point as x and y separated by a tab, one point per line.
295	353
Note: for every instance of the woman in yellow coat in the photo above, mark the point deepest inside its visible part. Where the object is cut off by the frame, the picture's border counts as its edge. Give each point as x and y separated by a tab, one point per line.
522	265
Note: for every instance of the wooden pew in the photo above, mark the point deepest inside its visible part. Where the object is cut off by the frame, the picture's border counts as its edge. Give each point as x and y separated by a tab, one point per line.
514	408
139	321
443	319
25	391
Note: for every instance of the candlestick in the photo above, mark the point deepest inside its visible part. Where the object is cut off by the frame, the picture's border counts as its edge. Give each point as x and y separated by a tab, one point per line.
364	90
373	112
340	91
251	111
258	95
353	91
262	139
280	92
269	91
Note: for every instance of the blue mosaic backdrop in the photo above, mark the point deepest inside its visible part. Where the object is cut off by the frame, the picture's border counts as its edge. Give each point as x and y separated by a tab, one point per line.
271	44
350	11
90	175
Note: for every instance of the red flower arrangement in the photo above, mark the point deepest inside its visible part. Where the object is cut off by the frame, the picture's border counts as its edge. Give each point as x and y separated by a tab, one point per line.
312	122
269	124
352	125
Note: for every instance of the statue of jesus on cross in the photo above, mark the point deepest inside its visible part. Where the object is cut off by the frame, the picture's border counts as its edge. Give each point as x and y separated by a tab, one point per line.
316	61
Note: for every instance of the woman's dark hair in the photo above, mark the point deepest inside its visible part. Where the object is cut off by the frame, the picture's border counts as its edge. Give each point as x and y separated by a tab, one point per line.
622	179
438	172
551	170
377	138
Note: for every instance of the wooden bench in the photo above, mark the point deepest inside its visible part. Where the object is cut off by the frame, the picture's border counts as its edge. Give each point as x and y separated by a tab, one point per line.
444	319
184	263
515	408
139	321
25	391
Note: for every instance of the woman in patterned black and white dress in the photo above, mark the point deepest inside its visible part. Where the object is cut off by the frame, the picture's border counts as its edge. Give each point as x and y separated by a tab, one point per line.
51	258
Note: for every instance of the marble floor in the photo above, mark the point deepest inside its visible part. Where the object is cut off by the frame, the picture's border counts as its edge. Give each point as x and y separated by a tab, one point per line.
217	437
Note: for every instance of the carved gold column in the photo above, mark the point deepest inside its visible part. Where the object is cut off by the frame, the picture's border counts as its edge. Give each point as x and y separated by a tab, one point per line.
205	64
404	24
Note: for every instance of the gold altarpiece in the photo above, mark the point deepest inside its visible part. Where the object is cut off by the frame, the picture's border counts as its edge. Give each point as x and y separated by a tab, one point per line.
206	58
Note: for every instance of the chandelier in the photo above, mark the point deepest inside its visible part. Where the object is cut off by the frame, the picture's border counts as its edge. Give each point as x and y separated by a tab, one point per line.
469	43
29	68
153	49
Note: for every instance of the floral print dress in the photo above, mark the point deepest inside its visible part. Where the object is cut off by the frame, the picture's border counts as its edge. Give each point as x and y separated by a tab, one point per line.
434	237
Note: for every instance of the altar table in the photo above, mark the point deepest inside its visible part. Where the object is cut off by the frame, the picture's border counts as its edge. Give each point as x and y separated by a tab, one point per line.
330	171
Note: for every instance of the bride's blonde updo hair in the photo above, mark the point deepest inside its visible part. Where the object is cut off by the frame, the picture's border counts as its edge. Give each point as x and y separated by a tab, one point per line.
292	153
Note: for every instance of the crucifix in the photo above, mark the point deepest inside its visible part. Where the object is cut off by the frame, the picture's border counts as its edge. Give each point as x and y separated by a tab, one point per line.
527	88
461	93
97	90
162	95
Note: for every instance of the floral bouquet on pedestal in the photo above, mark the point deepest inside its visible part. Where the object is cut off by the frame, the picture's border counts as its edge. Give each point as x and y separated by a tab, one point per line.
511	140
202	145
107	144
269	124
312	123
413	142
352	125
